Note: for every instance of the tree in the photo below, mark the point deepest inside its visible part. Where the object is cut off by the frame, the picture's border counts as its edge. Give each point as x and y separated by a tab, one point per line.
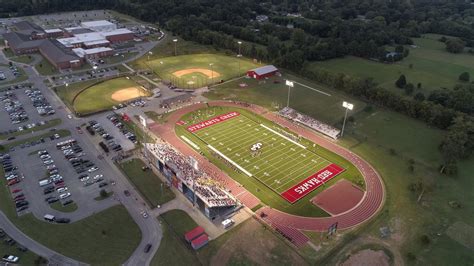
419	97
455	45
464	77
409	88
103	193
401	82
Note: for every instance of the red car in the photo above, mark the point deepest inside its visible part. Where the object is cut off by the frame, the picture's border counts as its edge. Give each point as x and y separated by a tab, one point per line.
16	190
22	198
13	182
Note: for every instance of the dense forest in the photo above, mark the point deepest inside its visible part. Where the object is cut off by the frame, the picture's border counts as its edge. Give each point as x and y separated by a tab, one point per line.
292	33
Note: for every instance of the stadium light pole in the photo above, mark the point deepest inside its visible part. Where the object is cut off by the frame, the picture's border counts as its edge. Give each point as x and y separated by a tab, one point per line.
175	51
290	85
348	106
212	73
149	53
240	44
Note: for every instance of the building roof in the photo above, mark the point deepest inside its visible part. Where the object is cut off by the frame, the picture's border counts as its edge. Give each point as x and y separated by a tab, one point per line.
20	41
27	27
97	23
116	32
53	30
82	52
265	70
54	51
194	233
200	240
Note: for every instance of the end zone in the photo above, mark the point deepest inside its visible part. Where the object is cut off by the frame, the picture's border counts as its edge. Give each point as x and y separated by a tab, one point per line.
311	183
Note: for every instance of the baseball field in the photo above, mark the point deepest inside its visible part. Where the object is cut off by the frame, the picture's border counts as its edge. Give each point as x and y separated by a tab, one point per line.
105	94
199	70
280	168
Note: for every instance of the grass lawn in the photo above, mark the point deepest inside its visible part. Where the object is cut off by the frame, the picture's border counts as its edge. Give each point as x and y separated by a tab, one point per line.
8	52
49	124
119	58
67	93
97	240
26	258
158	118
432	66
62	133
25	59
200	73
45	68
147	183
173	248
68	208
101	96
273	94
266	189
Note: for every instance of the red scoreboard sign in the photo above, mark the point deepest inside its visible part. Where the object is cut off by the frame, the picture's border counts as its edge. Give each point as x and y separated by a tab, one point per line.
311	183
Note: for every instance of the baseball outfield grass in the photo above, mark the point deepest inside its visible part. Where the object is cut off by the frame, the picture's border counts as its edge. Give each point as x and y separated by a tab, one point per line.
99	95
198	70
106	94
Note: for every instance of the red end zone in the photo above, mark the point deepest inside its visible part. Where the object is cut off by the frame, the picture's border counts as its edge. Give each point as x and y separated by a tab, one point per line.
212	121
311	183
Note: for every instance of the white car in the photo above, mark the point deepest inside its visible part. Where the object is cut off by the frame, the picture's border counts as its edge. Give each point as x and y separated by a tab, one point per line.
98	176
61	189
10	258
93	169
69	116
85	178
65	195
48	162
144	214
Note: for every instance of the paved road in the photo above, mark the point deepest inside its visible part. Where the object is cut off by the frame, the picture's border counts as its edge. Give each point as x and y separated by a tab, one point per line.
37	248
150	228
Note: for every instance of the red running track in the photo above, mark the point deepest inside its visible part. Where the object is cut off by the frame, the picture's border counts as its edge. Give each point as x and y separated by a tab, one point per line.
370	204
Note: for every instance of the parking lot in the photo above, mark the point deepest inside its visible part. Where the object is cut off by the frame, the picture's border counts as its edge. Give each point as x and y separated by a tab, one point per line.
24	107
60	171
86	75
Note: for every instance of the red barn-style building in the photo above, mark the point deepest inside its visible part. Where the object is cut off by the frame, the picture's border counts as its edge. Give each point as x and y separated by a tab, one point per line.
262	72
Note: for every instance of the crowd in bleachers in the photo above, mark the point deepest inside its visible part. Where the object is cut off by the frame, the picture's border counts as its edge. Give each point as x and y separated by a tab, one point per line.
310	122
204	184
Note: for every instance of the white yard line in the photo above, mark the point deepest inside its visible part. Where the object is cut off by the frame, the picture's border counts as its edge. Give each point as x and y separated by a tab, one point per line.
283	136
229	160
190	142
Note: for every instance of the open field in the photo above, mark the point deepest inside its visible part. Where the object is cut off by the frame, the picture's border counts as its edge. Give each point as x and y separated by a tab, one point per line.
104	95
173	246
236	147
273	94
432	66
195	70
147	183
45	68
25	59
98	239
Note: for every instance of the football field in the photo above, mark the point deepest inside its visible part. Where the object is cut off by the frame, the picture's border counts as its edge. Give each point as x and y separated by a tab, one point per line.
271	155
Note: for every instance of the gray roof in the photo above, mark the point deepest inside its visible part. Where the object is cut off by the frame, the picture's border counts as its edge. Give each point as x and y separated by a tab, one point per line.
56	52
80	31
20	41
265	69
27	27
